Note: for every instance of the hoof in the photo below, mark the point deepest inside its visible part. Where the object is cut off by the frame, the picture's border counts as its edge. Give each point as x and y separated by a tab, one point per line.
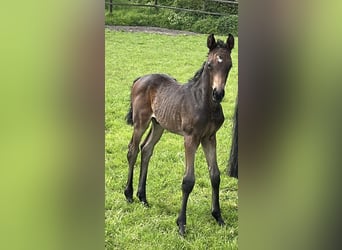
129	199
142	199
218	218
221	222
129	195
181	228
145	203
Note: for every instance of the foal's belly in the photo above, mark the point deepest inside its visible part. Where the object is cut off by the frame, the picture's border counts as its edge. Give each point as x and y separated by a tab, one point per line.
172	123
191	124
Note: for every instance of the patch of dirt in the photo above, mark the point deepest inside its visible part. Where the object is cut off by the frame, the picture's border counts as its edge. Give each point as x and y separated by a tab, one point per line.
154	30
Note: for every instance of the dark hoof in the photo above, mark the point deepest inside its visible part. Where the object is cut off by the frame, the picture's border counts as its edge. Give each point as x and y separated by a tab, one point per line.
221	222
181	228
129	199
218	218
145	203
129	195
142	199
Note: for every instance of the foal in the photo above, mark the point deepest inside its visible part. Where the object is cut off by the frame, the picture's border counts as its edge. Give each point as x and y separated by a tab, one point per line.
192	110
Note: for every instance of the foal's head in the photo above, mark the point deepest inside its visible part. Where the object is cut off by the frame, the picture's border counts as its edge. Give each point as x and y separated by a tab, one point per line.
218	64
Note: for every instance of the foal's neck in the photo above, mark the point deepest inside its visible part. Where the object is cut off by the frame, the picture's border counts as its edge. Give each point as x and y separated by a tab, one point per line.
205	85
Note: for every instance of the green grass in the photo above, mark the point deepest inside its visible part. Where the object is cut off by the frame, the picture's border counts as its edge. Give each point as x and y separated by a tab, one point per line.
132	226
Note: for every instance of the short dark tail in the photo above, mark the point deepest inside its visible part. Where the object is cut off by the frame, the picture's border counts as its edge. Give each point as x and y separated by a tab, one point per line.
233	158
129	116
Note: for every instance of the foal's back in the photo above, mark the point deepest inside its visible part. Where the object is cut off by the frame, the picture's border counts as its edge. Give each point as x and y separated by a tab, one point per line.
153	84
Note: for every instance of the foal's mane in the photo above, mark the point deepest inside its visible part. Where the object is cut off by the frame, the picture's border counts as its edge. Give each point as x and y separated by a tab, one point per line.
197	75
221	44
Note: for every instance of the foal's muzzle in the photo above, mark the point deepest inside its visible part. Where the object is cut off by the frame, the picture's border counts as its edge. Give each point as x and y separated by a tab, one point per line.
218	95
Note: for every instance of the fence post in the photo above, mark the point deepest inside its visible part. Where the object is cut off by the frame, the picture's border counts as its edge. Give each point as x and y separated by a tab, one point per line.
110	6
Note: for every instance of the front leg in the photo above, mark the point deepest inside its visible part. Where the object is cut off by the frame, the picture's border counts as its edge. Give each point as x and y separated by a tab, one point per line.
191	144
209	148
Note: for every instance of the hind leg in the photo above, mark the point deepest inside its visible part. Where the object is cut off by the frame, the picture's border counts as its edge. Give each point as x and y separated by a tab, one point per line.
146	153
133	150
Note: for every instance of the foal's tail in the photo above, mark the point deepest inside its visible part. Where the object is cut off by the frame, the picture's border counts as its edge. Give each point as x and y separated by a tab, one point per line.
129	116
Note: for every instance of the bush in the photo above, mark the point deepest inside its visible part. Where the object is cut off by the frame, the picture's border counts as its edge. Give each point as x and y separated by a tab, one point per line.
207	25
228	24
220	7
171	19
189	4
180	20
218	25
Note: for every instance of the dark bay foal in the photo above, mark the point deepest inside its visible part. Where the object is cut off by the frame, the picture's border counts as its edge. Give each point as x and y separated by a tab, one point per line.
192	110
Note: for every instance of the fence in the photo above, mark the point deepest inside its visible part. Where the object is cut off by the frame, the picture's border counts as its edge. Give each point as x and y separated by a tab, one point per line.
156	5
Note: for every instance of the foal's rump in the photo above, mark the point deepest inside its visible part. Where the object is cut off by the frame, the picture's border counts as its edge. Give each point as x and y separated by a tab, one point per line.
152	82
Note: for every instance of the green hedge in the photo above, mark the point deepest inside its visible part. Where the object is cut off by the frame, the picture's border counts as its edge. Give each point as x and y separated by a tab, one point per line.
171	19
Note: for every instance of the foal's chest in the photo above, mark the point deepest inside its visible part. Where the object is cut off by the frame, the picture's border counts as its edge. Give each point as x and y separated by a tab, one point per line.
214	121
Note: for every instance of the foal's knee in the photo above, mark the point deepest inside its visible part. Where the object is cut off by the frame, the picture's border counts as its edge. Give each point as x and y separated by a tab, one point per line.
188	184
215	178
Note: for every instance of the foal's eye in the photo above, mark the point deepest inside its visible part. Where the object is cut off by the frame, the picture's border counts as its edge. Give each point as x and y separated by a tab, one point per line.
209	65
219	59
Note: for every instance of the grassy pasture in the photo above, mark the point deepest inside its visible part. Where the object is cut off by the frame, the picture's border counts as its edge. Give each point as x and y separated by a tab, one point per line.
132	226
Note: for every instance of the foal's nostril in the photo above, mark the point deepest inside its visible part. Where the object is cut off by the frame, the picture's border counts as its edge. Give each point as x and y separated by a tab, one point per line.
214	94
214	91
218	95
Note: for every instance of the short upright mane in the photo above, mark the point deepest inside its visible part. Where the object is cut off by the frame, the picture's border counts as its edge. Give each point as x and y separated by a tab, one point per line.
221	44
197	75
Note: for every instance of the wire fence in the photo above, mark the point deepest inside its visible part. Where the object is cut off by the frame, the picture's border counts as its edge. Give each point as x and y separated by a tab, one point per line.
156	5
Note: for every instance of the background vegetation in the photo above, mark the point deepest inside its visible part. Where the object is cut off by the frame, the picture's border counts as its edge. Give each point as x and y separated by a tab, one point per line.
132	226
175	19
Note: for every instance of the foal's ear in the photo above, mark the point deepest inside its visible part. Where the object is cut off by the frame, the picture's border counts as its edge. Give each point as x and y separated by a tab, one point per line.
211	43
230	42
